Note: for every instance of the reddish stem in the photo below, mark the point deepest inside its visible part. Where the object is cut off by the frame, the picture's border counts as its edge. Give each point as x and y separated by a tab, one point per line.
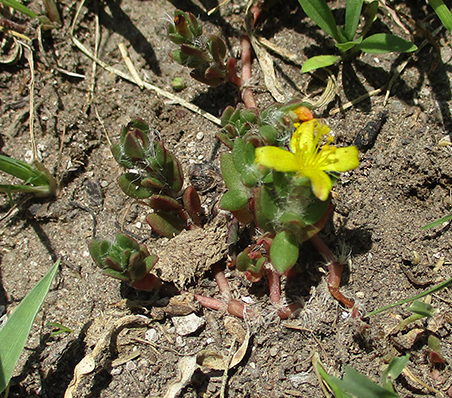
220	277
335	270
274	283
210	302
289	310
247	93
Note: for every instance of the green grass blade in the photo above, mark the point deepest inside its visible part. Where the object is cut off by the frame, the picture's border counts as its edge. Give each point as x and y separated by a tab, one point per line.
438	222
14	334
321	14
361	387
40	191
381	43
393	371
318	62
19	7
352	16
443	13
23	170
337	385
434	289
349	44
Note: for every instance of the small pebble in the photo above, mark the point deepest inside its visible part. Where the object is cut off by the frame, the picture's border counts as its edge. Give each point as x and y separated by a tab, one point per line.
189	324
273	351
360	295
151	335
200	136
131	365
180	341
300	378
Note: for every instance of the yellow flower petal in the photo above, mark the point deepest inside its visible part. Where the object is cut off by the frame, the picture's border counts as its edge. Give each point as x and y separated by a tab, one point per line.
342	159
320	183
276	158
307	135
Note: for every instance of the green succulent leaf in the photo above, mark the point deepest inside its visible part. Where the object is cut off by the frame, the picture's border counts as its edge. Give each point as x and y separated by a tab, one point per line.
243	154
150	262
122	276
165	223
131	184
230	174
126	242
381	43
226	115
234	200
192	204
243	261
284	251
269	133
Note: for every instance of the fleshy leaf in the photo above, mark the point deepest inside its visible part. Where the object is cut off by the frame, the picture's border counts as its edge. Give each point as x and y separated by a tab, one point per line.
130	183
284	251
192	204
165	224
234	200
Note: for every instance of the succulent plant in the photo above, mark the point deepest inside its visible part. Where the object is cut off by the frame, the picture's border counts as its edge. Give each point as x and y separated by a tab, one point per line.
155	177
125	259
284	194
204	54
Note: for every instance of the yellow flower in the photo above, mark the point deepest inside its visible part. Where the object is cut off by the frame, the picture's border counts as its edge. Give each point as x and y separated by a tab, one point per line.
308	158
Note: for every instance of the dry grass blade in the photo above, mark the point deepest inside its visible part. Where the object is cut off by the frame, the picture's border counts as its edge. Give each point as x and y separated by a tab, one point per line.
356	101
130	65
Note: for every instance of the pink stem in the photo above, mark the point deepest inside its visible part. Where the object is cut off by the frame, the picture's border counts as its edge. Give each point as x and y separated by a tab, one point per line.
274	284
247	93
335	270
222	282
289	310
209	302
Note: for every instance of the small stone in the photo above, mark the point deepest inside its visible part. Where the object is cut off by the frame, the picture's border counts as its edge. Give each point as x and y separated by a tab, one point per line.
131	365
200	136
151	335
189	324
300	378
273	351
360	295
